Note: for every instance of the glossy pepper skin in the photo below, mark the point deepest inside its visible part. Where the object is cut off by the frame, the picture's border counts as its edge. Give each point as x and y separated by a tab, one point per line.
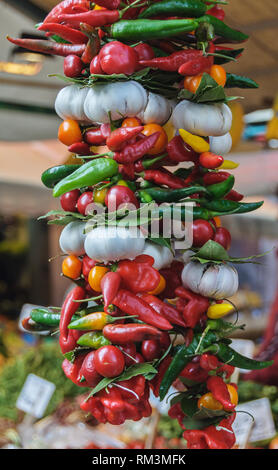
138	277
195	307
73	370
173	62
178	152
220	392
110	285
68	338
49	47
129	333
164	309
118	138
95	18
69	34
66	6
222	437
187	8
116	57
130	303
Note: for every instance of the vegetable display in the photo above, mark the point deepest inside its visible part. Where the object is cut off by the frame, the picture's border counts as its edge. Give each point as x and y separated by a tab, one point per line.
146	91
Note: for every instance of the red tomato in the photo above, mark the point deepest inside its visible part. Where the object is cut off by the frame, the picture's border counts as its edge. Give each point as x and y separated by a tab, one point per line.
95	66
73	66
150	349
109	361
116	57
84	200
223	237
144	52
69	200
131	122
139	358
118	195
202	232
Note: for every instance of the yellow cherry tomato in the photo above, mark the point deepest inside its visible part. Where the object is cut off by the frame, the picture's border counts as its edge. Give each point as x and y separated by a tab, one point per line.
219	310
233	394
95	276
218	73
208	401
228	165
69	132
161	286
162	140
131	122
71	267
99	195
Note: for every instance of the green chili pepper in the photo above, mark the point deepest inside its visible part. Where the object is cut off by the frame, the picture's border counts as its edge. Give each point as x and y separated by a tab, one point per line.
223	30
145	30
94	340
183	172
184	212
46	317
225	207
53	175
180	8
219	190
170	195
183	356
88	174
238	81
233	358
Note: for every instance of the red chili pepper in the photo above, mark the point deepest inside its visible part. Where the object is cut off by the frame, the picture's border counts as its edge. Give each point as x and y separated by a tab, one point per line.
133	152
227	370
88	370
163	177
216	11
193	371
129	333
110	284
138	277
164	309
166	46
144	52
69	34
156	381
210	160
80	148
131	304
178	152
118	138
67	337
234	196
73	370
172	276
128	171
197	305
214	177
49	47
67	6
172	62
109	4
220	392
222	437
98	135
209	362
87	265
94	18
116	57
196	66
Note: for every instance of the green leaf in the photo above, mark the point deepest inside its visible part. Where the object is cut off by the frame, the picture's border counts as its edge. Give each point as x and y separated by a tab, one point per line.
212	251
208	92
239	81
232	53
189	406
161	241
132	371
194	423
62	213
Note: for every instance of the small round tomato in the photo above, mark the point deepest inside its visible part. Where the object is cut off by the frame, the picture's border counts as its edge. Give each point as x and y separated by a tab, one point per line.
223	237
139	358
83	201
100	195
208	401
69	132
109	361
69	200
131	122
210	160
162	140
202	232
150	349
73	66
218	73
95	66
117	57
161	286
144	51
129	352
95	276
118	195
192	83
71	267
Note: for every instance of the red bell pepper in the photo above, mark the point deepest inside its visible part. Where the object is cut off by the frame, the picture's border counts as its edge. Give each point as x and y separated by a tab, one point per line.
138	277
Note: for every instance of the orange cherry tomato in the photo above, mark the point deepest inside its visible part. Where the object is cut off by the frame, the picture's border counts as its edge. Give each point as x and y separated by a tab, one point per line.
218	73
208	401
71	267
95	276
69	132
233	394
162	140
161	286
131	122
217	221
194	83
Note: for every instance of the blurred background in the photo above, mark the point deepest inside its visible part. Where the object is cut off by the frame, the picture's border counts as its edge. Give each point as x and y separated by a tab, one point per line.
29	145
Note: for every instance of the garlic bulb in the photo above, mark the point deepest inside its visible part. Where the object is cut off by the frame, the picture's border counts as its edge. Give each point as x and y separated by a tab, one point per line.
158	110
162	256
221	144
104	244
202	119
70	101
72	238
216	281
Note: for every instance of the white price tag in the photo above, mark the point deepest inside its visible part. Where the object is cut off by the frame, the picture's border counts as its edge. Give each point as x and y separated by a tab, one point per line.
35	395
262	427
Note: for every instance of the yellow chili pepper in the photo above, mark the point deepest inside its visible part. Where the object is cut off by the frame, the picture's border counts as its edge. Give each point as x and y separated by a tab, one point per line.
219	310
93	321
197	143
228	165
95	276
170	130
161	286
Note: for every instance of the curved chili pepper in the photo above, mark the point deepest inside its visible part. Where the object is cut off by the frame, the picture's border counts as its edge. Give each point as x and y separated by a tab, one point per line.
129	333
88	370
163	177
220	190
80	148
156	381
164	309
67	338
172	62
69	34
94	18
196	66
93	339
98	135
220	392
214	177
66	6
118	138
72	370
131	303
196	306
49	47
110	284
171	195
178	152
92	321
234	196
138	277
135	151
109	4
